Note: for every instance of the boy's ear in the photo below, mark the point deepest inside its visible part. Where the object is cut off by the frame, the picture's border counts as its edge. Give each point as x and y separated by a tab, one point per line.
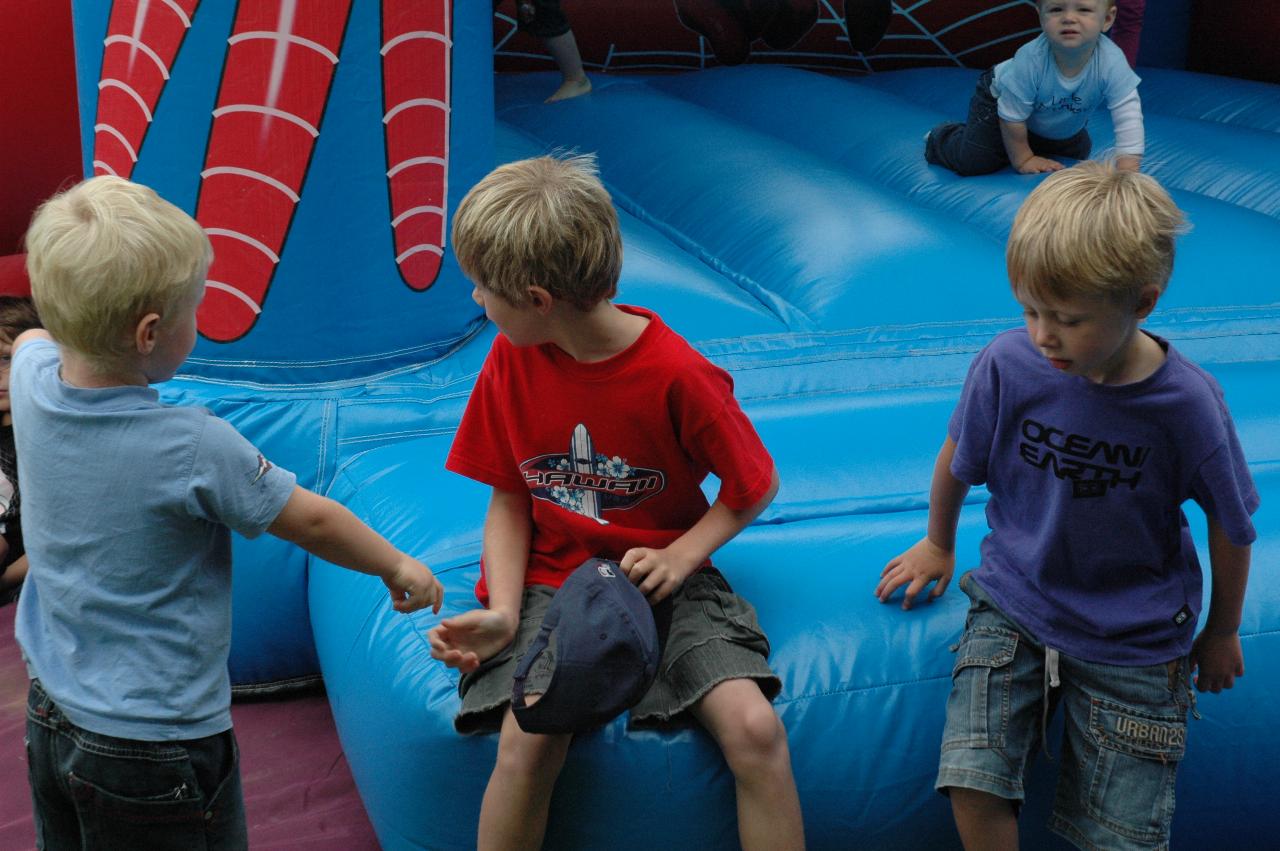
1110	18
541	299
1147	300
144	335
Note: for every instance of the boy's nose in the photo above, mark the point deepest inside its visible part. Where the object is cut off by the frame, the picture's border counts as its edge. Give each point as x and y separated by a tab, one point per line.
476	297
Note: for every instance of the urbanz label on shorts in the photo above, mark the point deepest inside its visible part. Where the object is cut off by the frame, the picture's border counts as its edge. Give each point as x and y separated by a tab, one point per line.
1150	733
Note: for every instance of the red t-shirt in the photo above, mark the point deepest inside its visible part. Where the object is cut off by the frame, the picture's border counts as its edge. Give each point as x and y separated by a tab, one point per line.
613	453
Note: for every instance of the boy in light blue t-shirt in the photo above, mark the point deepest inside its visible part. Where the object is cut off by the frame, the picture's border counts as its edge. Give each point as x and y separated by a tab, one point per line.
128	505
1037	105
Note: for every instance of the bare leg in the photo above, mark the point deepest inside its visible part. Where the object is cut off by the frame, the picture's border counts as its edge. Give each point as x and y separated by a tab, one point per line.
513	814
564	50
986	822
754	743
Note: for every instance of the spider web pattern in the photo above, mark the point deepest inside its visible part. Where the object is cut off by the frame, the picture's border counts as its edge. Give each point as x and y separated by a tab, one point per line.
646	36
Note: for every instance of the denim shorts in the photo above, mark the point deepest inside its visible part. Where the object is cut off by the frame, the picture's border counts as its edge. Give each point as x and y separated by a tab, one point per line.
101	792
714	636
1125	730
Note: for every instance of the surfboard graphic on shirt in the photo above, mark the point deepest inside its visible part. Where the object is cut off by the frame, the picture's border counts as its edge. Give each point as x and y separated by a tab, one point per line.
416	46
581	458
588	482
275	85
143	38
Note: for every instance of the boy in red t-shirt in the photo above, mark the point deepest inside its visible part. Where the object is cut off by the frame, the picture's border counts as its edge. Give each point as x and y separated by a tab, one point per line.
595	424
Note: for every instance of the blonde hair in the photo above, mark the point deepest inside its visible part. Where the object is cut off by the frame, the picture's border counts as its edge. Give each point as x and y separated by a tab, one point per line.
103	254
545	222
1092	231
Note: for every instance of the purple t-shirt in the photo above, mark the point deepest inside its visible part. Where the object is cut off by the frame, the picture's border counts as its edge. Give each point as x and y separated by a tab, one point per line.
1089	550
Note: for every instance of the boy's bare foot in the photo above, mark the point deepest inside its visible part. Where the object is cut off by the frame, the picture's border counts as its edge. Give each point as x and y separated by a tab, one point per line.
570	89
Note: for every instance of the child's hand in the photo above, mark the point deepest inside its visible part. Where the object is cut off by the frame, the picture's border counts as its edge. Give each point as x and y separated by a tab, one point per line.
471	638
1128	162
413	586
657	573
919	566
1039	165
1217	659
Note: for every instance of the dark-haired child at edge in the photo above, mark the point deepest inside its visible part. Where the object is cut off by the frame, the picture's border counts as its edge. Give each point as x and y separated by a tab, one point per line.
576	386
1089	433
1036	106
17	314
125	617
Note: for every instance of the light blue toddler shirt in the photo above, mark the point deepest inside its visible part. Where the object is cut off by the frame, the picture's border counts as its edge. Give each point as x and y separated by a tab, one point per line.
127	511
1030	88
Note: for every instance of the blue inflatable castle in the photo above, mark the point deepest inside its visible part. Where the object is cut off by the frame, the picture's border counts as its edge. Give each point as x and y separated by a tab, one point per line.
781	219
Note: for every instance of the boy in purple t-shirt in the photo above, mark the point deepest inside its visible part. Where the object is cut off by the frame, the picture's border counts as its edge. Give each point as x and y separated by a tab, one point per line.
1089	434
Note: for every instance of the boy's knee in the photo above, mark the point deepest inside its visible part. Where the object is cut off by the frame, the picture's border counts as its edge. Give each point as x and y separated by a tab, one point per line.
528	755
756	736
976	802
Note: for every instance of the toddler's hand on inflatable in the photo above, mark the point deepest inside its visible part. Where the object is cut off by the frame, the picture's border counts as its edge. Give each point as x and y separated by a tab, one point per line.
471	638
413	586
1217	659
1039	165
925	562
1128	162
657	573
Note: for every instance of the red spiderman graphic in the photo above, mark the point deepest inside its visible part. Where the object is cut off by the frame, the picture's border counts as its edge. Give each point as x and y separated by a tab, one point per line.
281	57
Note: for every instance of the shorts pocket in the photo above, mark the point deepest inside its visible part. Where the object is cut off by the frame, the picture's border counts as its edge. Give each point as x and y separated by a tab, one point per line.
1138	751
725	615
981	689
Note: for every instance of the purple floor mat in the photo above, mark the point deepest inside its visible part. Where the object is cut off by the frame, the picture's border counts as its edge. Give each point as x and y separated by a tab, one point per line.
297	786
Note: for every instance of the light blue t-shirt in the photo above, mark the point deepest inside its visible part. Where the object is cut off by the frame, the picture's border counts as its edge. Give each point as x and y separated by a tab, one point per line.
127	507
1030	88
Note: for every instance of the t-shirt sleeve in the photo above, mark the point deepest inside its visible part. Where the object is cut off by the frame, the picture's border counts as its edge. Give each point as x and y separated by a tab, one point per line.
1223	487
232	483
1121	80
725	442
1016	84
27	360
973	422
482	446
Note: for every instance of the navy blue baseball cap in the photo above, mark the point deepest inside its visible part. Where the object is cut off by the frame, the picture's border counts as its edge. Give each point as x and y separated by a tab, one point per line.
607	645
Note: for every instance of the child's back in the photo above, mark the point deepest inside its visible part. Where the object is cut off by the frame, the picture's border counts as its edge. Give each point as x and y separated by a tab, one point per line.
130	507
125	623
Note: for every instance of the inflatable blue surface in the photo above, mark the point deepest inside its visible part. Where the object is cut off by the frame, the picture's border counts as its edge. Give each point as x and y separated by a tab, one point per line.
787	224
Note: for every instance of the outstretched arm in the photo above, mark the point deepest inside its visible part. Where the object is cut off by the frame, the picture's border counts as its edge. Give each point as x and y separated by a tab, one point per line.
1126	118
1216	652
465	641
933	557
328	529
1016	145
658	573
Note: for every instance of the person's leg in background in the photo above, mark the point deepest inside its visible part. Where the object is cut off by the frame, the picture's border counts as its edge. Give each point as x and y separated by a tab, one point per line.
1126	32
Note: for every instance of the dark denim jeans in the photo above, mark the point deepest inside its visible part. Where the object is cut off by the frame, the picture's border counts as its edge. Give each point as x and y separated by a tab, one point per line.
91	791
976	147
